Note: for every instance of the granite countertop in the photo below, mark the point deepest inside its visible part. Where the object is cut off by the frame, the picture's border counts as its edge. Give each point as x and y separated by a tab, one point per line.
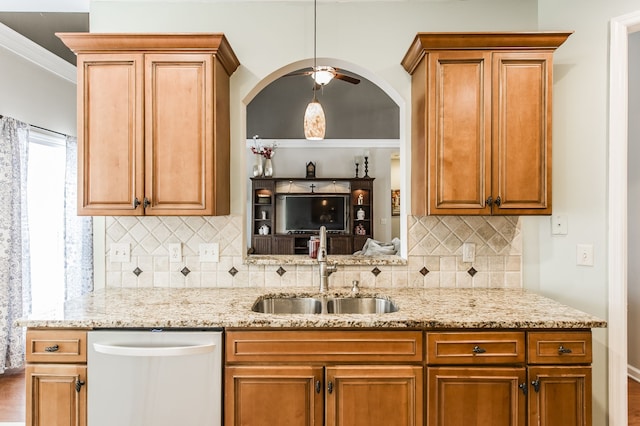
231	307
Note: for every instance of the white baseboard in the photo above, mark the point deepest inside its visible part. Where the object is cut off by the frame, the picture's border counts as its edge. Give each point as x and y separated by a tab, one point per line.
633	373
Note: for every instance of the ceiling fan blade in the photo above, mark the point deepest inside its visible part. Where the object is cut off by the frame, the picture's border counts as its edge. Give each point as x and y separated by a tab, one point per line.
347	78
301	72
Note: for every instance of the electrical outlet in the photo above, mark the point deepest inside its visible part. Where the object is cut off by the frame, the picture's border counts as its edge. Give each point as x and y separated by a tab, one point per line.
469	252
584	254
209	252
175	252
120	252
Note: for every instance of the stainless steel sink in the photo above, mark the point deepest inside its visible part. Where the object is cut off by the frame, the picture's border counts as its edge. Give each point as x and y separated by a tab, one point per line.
360	305
288	305
324	305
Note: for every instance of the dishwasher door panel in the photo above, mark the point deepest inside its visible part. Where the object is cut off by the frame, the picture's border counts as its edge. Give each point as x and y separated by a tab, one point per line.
158	378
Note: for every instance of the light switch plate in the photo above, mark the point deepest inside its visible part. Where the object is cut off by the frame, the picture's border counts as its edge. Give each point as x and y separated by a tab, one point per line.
120	252
584	254
209	252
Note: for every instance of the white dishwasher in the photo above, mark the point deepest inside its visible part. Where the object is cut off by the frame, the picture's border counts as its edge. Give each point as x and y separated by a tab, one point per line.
154	377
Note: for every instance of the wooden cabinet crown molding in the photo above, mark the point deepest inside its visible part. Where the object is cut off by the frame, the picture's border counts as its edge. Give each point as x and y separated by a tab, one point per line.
216	43
423	42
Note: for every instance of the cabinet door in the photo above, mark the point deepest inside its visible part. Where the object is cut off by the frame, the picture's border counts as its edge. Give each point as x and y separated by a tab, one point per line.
274	395
374	395
339	245
56	395
459	133
179	134
110	141
461	396
522	132
560	396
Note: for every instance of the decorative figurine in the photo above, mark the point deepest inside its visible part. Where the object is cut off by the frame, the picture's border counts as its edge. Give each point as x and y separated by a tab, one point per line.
360	199
311	170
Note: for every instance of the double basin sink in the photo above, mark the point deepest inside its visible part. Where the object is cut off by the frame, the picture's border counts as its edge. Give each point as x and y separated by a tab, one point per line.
324	305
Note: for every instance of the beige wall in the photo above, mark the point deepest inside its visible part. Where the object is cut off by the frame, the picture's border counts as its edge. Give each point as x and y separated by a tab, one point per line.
35	96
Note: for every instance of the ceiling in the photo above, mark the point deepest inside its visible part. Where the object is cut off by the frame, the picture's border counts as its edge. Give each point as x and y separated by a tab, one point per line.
40	27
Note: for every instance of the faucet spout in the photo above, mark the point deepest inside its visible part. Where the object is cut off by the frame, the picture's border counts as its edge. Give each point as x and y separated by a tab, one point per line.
324	269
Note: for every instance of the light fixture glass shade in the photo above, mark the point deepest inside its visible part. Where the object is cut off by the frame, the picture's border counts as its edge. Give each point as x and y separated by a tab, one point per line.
314	122
323	74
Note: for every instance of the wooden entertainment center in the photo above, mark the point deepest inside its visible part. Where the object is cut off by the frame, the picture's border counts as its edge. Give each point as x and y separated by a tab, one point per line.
268	236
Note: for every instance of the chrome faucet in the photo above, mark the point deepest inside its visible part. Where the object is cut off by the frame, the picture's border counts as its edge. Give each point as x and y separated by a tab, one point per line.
325	270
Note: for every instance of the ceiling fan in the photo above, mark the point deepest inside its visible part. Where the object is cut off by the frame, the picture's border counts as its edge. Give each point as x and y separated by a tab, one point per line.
323	74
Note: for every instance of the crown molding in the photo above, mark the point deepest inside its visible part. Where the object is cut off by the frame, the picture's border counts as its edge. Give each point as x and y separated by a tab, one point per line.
22	46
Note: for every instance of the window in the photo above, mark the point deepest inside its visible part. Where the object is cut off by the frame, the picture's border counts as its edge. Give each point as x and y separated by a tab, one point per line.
45	198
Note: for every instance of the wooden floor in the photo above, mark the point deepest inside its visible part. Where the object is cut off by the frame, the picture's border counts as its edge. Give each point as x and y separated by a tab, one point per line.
12	399
634	403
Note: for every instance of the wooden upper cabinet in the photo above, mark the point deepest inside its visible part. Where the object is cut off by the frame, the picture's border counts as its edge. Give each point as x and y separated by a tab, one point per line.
153	119
481	122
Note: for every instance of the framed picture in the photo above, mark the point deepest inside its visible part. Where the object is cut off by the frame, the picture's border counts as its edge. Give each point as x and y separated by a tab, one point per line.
395	202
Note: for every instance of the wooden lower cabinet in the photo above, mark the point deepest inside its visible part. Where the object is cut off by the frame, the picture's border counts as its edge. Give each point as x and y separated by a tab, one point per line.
459	396
374	395
560	396
56	395
274	395
362	395
56	377
322	377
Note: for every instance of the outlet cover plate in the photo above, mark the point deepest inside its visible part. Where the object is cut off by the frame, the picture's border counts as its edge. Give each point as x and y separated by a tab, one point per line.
175	252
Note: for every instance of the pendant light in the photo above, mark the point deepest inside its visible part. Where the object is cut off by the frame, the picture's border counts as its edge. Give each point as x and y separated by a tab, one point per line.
314	121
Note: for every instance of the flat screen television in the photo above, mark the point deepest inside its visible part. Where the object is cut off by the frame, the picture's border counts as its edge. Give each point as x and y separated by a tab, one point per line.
307	213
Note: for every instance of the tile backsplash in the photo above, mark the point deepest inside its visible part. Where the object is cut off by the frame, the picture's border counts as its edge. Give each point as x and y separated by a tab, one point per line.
434	255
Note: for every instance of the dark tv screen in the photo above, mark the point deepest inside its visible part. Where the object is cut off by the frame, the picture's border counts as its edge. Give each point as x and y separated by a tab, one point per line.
309	213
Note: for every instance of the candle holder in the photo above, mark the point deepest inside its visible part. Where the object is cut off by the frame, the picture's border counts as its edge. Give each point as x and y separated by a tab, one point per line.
366	166
357	169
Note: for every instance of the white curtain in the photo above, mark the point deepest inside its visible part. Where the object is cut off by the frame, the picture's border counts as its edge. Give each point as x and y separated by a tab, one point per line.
15	282
78	232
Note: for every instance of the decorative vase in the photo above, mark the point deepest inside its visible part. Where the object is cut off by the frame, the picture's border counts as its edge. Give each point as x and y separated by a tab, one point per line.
268	167
257	165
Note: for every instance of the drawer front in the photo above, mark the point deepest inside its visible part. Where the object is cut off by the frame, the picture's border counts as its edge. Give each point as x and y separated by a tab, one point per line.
63	346
323	346
475	348
559	347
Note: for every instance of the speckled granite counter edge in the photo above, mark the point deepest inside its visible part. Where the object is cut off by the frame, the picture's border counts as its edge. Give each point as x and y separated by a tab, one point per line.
231	308
350	260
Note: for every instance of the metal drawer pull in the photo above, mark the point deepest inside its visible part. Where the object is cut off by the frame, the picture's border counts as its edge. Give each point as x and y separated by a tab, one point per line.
563	350
536	385
330	387
318	386
53	348
478	350
523	388
79	384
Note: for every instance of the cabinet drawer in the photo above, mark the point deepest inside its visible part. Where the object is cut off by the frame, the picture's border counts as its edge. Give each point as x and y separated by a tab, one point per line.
323	346
559	347
475	348
56	346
